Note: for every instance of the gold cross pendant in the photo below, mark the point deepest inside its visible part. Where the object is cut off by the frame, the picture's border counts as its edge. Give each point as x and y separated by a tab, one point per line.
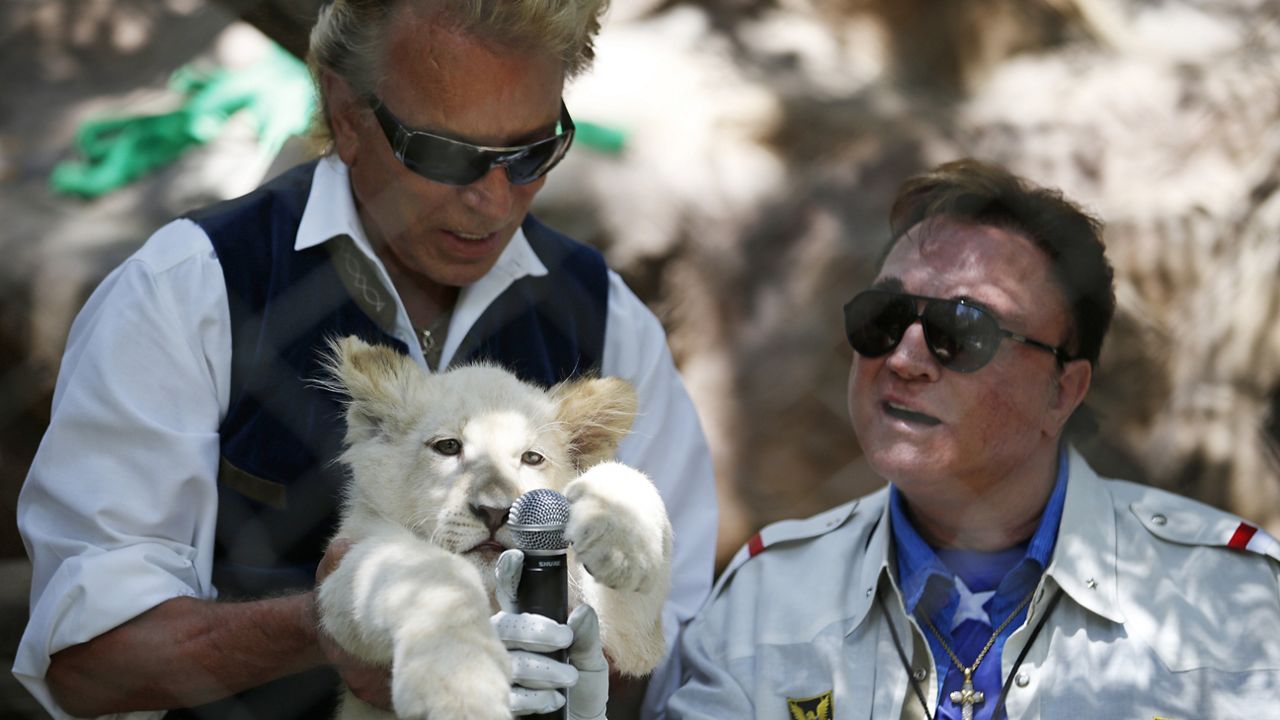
966	697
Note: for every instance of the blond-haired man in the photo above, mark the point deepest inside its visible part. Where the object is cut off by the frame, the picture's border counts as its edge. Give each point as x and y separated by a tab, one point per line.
189	452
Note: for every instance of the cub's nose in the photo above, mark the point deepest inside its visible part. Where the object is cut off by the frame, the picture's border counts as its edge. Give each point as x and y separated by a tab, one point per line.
492	517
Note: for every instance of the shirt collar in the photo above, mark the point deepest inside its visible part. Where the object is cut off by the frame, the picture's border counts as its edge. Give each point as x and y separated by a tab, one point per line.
1084	562
331	209
331	213
517	260
874	558
1040	549
918	565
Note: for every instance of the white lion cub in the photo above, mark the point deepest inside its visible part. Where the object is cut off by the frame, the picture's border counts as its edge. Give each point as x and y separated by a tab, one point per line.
435	463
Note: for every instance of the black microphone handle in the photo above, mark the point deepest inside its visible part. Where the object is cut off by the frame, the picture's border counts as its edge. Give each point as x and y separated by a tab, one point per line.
544	590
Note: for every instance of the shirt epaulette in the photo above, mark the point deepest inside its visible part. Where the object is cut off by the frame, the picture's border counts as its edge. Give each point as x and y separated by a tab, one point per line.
1171	518
785	531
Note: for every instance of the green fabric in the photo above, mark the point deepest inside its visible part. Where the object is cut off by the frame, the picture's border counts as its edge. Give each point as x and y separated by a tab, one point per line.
276	91
601	138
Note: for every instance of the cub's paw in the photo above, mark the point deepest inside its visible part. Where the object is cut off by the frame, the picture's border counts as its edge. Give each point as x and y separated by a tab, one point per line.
453	679
618	527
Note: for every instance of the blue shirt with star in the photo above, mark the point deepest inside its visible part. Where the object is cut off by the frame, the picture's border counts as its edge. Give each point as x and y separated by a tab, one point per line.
968	594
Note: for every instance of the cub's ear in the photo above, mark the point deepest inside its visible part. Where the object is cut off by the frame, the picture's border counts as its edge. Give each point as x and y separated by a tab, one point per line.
597	414
378	383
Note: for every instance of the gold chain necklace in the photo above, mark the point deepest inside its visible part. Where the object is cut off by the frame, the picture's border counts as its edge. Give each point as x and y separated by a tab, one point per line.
966	697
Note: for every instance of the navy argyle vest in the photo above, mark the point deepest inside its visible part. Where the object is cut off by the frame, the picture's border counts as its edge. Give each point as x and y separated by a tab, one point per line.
278	484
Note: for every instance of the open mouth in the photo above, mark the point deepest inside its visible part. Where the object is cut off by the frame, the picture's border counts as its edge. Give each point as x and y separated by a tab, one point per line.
911	416
470	246
469	236
472	238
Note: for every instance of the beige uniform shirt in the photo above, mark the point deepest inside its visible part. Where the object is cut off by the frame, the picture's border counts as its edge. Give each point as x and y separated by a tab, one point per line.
1169	609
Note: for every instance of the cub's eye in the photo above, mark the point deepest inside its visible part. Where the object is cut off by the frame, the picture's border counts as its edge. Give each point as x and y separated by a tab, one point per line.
447	446
531	458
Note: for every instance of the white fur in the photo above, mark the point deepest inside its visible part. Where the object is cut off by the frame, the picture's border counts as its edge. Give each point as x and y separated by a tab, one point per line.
409	594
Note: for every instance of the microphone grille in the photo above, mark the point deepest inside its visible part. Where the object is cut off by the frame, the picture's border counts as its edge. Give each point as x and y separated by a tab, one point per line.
538	518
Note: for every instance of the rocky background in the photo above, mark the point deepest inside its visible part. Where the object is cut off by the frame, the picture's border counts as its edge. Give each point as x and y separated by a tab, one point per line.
764	141
769	138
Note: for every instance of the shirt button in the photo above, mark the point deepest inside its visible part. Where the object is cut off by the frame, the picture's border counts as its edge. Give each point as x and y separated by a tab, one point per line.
920	674
868	592
1159	519
1023	679
1091	583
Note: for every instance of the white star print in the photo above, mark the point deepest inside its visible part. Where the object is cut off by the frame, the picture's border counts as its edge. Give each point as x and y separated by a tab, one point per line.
970	607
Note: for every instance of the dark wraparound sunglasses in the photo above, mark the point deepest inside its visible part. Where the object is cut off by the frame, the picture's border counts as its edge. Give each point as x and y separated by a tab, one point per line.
454	162
963	337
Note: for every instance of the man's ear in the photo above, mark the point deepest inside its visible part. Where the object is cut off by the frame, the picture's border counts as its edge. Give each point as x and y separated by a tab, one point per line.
1068	392
378	383
597	414
344	110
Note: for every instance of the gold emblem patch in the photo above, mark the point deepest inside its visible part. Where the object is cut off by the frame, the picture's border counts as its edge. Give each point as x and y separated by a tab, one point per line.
818	707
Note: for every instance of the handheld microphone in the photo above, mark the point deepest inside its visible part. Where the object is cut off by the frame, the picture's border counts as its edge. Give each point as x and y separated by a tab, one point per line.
537	521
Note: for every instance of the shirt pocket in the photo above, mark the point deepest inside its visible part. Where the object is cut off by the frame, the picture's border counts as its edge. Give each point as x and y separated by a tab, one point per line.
814	681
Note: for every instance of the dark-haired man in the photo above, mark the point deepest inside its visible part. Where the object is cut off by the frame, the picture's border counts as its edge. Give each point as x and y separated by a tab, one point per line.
190	454
997	575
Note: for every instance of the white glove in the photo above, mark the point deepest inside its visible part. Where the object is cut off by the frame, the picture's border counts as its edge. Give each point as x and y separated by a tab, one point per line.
588	697
539	683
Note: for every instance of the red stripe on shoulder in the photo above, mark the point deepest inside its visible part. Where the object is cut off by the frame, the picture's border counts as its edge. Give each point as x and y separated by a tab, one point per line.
756	545
1241	537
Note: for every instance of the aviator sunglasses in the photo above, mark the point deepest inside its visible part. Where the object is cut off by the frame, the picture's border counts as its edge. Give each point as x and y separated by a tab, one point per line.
454	162
963	337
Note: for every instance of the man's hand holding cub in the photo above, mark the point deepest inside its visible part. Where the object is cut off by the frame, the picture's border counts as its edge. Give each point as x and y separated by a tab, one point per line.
539	683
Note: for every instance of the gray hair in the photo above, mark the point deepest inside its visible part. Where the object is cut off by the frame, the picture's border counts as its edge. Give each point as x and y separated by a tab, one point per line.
348	36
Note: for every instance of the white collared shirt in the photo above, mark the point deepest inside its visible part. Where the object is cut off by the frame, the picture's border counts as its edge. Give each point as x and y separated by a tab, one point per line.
1158	618
119	507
